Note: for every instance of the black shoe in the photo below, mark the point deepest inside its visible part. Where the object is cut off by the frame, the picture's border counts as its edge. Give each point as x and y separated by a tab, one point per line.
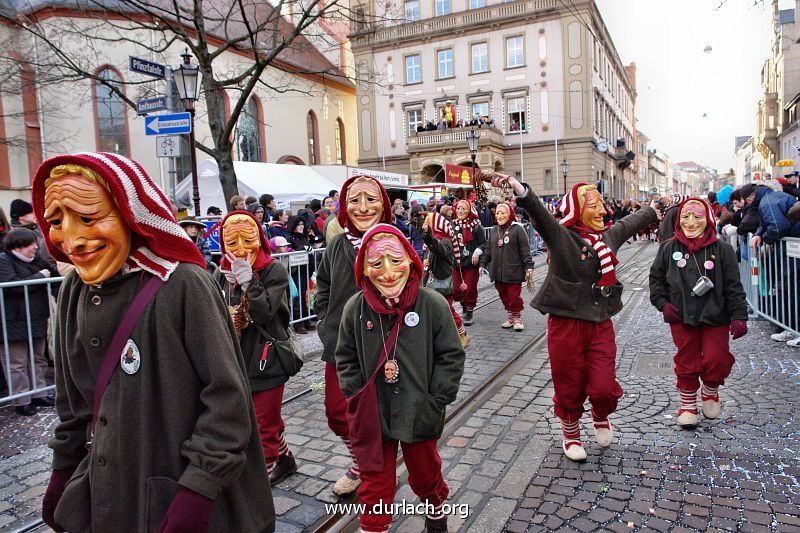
300	329
468	320
286	466
26	410
44	402
436	526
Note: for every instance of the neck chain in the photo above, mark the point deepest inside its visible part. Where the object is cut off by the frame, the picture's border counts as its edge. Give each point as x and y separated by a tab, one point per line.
391	370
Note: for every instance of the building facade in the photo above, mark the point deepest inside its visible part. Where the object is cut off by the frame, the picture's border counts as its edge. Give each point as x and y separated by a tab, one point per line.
543	77
311	123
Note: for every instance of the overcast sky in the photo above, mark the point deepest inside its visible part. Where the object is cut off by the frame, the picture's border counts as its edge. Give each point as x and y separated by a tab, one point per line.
677	83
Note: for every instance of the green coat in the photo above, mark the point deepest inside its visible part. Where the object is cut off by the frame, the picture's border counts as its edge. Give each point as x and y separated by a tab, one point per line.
507	263
335	285
669	283
430	360
567	290
269	308
440	262
184	418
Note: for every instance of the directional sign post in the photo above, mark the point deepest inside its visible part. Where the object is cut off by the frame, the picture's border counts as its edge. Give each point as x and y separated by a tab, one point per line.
151	105
172	124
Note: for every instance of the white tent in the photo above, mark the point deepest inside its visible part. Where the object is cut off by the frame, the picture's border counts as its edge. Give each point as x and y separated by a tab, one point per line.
287	183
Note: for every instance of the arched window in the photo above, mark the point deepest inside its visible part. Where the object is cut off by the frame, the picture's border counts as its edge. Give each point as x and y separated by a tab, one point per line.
112	131
248	133
313	138
341	153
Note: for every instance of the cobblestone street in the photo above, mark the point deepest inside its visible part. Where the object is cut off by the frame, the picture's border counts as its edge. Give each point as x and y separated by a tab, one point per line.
503	456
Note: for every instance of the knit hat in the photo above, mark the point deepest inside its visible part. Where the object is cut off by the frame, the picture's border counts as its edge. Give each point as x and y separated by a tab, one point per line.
20	208
571	206
441	228
158	243
341	215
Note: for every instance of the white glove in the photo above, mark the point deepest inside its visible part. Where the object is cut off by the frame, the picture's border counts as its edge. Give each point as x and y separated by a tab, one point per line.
229	276
242	271
44	272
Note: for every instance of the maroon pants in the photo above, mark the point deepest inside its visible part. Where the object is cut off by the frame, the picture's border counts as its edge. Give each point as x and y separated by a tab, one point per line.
335	403
456	316
510	296
468	275
424	476
582	360
703	353
267	405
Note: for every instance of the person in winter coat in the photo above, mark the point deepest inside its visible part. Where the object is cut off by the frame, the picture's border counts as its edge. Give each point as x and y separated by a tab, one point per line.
20	262
581	293
667	226
694	282
442	252
256	286
195	229
300	240
5	227
470	236
773	207
399	362
507	252
156	425
278	227
363	203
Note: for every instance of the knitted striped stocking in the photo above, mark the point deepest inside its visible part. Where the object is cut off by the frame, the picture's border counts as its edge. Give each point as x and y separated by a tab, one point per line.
353	472
688	401
572	432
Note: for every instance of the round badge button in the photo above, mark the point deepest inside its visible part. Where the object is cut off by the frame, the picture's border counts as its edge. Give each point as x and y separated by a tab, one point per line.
681	262
677	255
412	319
709	264
506	240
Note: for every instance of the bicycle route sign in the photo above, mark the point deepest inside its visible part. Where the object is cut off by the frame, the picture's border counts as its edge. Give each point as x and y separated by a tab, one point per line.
168	146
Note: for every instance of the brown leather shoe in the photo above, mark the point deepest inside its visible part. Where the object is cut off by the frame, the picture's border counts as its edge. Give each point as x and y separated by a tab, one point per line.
285	467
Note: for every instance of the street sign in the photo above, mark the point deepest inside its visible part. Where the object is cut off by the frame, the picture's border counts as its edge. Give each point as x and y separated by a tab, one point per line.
173	123
793	249
148	68
168	146
151	105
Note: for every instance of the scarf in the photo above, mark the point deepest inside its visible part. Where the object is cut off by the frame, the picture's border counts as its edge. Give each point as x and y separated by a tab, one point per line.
22	257
571	207
158	243
344	219
466	225
708	237
264	258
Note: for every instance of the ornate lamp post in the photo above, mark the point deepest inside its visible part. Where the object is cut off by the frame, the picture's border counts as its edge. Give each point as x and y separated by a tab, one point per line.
564	171
473	138
186	76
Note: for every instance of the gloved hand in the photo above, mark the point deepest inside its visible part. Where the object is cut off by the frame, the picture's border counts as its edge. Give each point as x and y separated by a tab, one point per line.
55	488
738	328
241	270
189	512
672	314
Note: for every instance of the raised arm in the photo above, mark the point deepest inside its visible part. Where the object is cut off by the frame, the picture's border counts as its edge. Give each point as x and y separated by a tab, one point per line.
547	226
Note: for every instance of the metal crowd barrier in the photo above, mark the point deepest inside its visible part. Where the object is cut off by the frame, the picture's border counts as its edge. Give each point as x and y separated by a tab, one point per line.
302	267
769	276
36	386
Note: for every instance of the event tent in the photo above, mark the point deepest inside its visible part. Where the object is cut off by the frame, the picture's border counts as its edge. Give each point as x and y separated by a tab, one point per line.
287	183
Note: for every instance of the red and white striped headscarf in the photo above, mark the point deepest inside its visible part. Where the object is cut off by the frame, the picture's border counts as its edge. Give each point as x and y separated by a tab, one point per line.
158	243
571	207
441	228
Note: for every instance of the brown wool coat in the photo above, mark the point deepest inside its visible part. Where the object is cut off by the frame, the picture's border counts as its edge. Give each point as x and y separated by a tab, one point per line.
567	289
429	355
185	418
507	263
335	285
268	298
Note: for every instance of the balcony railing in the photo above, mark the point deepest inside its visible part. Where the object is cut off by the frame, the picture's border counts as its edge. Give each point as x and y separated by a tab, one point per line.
461	21
451	138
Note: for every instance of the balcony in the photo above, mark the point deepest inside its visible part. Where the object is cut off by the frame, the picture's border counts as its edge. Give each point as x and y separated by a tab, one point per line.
461	22
452	139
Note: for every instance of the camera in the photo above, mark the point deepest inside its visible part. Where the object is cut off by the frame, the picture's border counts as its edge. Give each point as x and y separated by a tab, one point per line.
702	286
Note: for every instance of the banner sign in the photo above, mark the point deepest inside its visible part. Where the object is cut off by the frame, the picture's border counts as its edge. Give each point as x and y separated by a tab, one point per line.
387	179
458	175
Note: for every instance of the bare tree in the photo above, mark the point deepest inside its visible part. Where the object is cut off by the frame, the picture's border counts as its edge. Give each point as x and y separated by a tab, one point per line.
259	34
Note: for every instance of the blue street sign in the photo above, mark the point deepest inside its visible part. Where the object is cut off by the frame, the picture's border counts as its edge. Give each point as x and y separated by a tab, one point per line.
173	123
212	238
143	66
150	105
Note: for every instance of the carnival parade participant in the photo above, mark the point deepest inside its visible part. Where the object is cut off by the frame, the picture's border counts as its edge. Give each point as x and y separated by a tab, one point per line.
399	361
694	282
469	236
581	293
668	223
442	252
157	429
363	203
508	255
255	287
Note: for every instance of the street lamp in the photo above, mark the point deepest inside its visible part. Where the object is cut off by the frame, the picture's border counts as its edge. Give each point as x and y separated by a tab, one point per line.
564	171
472	142
186	78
